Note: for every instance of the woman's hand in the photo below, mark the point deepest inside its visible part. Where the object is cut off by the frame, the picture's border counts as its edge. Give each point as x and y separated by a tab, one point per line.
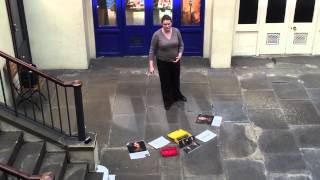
151	67
178	58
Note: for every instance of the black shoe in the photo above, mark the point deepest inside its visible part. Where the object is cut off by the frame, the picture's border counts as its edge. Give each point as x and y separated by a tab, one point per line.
182	98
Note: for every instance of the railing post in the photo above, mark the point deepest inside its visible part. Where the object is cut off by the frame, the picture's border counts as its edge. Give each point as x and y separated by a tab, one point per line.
79	110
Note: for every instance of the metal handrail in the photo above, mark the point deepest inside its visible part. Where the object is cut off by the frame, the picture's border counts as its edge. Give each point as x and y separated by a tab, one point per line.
22	175
34	69
76	85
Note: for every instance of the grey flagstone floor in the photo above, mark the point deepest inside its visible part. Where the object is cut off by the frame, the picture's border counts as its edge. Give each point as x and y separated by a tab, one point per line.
270	110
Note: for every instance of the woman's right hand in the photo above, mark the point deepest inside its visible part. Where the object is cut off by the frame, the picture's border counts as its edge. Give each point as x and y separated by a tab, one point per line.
151	67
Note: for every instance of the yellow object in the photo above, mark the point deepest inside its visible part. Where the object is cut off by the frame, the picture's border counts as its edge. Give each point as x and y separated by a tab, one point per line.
178	134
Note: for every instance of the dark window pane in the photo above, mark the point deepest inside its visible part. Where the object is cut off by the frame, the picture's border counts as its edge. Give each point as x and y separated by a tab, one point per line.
304	11
276	11
248	12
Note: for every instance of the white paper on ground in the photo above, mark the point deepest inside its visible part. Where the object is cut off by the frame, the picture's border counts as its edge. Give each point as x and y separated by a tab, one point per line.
139	155
216	121
104	170
159	142
206	136
112	177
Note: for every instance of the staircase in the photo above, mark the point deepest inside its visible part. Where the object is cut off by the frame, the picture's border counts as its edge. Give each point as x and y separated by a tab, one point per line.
33	158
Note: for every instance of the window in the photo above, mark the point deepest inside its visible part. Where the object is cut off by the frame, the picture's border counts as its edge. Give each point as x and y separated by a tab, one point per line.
190	12
161	8
135	12
304	11
276	11
248	12
107	13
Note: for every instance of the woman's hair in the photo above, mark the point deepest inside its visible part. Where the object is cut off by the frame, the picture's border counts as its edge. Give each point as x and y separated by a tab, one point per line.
166	17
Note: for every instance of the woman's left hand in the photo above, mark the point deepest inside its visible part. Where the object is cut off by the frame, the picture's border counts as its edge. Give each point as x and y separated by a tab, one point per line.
178	58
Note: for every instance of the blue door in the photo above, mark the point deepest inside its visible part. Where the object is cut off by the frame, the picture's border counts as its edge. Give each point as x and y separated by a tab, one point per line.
125	27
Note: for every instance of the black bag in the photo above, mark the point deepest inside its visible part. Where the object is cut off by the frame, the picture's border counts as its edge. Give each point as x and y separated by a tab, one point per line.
28	79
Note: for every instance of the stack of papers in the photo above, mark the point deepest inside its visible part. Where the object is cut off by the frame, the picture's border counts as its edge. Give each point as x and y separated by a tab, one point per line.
159	142
206	136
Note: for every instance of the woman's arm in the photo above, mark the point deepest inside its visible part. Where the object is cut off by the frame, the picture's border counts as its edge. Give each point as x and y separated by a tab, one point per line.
181	46
152	51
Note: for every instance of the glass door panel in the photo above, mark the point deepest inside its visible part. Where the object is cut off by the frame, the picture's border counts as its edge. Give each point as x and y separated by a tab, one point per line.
161	8
190	12
276	11
304	11
106	10
135	13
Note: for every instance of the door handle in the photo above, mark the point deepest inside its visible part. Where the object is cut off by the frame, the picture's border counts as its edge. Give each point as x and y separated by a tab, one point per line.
22	57
294	28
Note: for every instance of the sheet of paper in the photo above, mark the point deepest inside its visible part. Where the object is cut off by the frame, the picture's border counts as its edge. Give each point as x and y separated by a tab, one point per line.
139	155
112	177
206	136
216	121
159	142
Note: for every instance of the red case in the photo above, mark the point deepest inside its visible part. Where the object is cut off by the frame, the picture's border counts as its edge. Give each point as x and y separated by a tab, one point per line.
169	151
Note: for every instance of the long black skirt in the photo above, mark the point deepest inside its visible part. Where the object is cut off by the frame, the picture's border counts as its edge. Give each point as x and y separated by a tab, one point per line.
169	74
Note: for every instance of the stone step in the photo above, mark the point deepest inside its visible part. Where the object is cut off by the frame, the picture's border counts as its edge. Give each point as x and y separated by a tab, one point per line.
10	143
55	162
94	176
76	172
30	157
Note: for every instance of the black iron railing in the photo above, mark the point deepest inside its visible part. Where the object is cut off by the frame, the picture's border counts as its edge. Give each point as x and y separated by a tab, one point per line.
42	98
8	170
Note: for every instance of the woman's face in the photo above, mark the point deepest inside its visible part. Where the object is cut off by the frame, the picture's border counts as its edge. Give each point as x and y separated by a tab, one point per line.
166	25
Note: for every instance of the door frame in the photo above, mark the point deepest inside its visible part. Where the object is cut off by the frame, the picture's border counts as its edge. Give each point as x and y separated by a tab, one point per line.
288	22
188	31
23	28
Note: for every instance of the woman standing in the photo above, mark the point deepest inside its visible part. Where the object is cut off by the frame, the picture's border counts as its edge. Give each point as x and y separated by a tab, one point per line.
167	46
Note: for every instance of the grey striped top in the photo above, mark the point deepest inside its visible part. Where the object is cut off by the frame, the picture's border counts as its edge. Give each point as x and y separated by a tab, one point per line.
166	49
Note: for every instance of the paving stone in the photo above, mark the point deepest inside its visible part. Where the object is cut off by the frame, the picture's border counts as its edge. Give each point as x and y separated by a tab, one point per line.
99	93
195	89
171	167
235	143
194	76
285	162
131	89
153	81
102	78
205	160
282	77
133	75
268	118
311	80
138	177
300	112
312	160
126	128
154	97
244	170
230	107
224	83
129	105
252	62
314	95
119	163
159	115
260	99
290	91
307	136
289	177
277	141
196	104
200	177
254	81
171	177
